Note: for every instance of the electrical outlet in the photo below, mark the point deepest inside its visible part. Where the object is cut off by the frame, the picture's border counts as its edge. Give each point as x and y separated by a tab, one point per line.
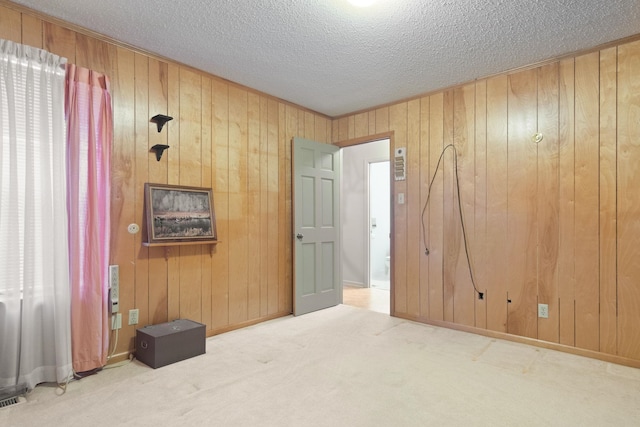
116	321
133	316
543	311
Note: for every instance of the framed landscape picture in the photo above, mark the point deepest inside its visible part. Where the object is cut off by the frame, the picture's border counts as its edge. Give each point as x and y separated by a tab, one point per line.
177	214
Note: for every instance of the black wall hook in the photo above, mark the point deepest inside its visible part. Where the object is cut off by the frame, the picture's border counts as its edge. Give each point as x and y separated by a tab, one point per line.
160	120
159	149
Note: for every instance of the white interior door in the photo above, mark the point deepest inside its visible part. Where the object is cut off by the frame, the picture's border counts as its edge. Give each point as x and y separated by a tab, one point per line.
316	233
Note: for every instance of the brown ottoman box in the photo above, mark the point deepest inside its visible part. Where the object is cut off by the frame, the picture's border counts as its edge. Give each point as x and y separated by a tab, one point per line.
166	343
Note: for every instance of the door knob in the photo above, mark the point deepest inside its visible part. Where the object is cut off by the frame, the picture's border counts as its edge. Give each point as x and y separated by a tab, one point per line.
299	236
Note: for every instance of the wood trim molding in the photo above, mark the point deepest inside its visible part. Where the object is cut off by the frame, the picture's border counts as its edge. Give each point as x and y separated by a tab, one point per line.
365	139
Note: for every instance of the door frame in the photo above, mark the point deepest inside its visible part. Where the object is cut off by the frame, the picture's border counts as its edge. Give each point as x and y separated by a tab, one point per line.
364	140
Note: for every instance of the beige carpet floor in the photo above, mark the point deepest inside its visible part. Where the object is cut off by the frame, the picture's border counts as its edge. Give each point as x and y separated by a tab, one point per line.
347	366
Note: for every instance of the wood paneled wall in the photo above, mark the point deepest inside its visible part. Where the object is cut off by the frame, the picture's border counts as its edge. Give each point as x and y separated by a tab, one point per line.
223	136
555	222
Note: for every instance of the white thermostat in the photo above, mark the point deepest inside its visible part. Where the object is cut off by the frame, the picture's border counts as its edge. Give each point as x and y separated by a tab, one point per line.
133	228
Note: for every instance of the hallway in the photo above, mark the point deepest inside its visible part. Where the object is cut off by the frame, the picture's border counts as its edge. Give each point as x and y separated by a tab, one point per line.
370	298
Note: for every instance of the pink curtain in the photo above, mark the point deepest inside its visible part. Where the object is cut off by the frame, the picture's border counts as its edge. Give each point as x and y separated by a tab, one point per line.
89	138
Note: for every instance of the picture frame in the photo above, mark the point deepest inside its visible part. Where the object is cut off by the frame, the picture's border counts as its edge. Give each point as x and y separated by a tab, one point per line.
179	215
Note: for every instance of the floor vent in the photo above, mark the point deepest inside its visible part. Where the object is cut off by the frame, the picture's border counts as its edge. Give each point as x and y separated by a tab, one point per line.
11	401
11	395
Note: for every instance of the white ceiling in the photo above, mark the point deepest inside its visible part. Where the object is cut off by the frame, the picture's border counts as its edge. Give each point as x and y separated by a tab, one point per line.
334	58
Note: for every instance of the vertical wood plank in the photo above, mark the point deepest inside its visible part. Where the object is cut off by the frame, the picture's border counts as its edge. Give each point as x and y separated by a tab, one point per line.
343	129
61	41
285	292
587	210
628	200
451	215
372	122
264	206
141	283
309	126
478	245
285	121
566	208
122	245
412	200
273	204
238	209
320	133
398	122
425	177
361	125
206	181
352	126
10	25
220	289
335	131
254	206
157	174
522	208
190	119
548	200
173	178
464	141
301	124
608	236
382	120
435	208
94	54
31	31
497	203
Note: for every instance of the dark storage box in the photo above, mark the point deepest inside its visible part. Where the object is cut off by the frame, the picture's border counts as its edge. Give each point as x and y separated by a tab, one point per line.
166	343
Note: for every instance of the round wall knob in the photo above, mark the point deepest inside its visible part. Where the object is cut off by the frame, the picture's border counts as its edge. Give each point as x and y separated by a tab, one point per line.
537	137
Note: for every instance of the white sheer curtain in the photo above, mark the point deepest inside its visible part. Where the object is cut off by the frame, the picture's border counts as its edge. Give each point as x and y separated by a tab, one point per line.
35	338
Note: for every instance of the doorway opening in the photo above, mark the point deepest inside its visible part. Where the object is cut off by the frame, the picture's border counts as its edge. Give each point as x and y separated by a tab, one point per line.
366	225
379	225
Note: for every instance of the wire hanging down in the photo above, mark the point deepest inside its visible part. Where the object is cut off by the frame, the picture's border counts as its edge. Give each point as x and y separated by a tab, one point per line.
464	232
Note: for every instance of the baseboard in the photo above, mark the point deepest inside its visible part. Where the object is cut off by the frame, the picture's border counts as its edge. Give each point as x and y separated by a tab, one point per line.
611	358
221	330
354	284
121	357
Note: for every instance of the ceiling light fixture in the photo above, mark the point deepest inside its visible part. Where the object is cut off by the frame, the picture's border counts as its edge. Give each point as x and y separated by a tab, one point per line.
362	3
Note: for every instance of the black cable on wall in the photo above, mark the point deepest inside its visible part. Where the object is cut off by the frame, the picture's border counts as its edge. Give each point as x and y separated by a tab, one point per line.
464	232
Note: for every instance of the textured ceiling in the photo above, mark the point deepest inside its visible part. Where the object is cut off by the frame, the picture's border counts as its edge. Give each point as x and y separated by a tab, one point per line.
334	58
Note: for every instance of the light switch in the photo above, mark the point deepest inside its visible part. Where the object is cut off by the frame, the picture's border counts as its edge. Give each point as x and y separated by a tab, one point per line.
401	198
